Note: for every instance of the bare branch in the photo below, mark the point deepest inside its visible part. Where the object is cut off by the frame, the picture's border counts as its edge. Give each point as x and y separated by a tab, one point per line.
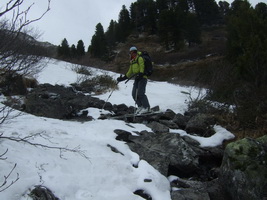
4	184
5	113
21	17
11	5
61	149
3	153
19	52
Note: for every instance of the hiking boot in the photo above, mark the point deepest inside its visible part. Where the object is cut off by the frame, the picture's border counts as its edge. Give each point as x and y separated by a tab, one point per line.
144	110
138	110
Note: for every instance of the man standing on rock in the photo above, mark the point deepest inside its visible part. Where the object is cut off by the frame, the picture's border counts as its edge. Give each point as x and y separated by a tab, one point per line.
136	69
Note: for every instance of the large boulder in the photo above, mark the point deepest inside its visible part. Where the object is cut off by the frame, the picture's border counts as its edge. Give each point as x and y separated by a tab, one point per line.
192	189
201	124
244	171
163	150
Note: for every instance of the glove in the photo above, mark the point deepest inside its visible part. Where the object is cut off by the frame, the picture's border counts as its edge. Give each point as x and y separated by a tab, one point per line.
139	76
121	78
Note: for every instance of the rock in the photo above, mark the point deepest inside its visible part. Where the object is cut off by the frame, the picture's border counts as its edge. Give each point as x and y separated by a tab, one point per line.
155	109
243	170
122	135
120	109
60	102
169	124
201	124
186	194
42	193
162	150
143	194
158	127
180	120
190	189
169	114
114	149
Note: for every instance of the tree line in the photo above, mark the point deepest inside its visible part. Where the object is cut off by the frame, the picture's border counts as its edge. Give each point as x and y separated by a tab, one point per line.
176	22
73	52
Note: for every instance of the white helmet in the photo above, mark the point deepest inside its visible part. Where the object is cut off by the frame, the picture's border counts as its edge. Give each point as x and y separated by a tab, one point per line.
133	49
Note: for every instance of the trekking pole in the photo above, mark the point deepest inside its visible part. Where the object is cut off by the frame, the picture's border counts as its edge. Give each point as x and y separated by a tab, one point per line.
109	96
113	91
135	109
130	78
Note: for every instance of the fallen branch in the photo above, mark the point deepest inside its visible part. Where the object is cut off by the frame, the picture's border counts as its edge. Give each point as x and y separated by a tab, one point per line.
61	149
6	178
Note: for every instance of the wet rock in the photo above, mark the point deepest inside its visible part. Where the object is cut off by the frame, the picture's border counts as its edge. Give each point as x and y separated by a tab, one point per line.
243	170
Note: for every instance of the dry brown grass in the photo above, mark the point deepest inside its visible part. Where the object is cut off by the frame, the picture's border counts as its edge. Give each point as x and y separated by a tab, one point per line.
230	121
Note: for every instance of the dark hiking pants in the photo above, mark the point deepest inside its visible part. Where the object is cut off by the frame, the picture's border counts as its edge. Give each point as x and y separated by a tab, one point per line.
138	93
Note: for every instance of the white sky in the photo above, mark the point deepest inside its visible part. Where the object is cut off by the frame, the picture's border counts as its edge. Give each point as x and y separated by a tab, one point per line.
76	19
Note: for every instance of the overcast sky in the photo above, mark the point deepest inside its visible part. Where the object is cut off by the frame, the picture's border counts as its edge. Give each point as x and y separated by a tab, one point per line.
76	19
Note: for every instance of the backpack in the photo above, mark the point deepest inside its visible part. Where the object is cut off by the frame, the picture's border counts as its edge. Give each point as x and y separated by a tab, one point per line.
148	63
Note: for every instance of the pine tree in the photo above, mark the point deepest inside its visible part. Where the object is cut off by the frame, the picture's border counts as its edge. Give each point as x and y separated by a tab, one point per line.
110	34
98	47
144	16
161	5
192	30
80	49
124	25
166	26
64	49
207	11
247	46
224	8
73	51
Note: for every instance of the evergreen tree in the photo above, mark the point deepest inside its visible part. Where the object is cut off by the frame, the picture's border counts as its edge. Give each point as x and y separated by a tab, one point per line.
123	28
64	49
80	48
151	18
261	10
192	30
207	11
73	51
183	4
247	46
161	5
144	16
134	16
224	8
177	25
110	34
98	47
166	26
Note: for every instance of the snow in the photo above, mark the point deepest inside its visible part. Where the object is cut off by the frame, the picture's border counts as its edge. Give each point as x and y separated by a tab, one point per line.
94	172
217	139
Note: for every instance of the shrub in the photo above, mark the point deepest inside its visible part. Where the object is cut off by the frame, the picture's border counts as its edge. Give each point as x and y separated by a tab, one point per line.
98	84
80	69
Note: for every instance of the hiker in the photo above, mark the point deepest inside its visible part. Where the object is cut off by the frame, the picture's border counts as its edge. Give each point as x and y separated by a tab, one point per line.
136	69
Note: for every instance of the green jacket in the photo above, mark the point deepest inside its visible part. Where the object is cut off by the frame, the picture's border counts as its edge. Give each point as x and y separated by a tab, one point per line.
136	66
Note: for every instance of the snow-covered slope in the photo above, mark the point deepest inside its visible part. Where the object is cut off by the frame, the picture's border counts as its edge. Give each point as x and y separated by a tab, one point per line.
92	171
